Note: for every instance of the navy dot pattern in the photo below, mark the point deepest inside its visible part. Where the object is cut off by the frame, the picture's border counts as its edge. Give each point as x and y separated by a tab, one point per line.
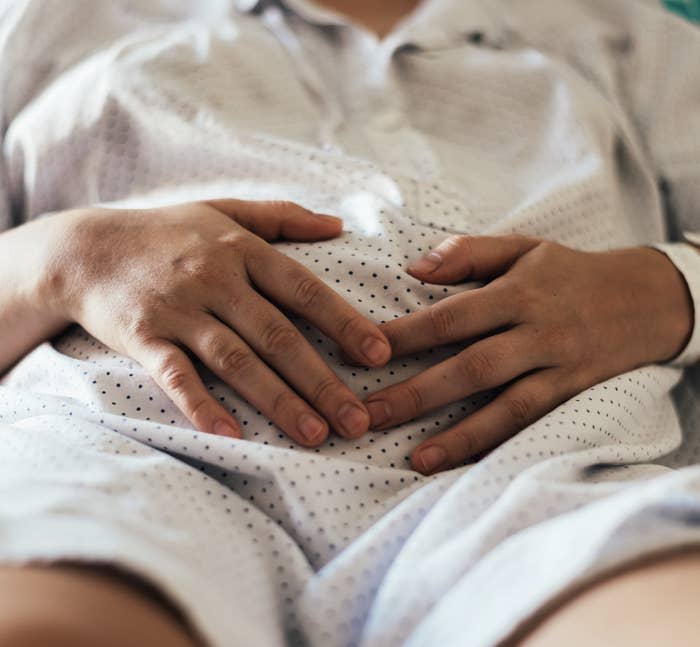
259	541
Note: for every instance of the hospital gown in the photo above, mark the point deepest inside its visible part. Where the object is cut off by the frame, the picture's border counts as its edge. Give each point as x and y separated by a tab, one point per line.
577	121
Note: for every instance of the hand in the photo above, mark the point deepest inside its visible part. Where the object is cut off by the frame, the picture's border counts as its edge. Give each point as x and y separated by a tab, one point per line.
551	322
200	277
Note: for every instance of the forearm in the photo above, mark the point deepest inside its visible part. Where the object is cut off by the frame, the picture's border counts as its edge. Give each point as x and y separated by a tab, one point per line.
30	310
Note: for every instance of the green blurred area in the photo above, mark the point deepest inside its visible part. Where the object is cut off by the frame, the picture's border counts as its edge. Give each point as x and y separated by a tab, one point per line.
690	9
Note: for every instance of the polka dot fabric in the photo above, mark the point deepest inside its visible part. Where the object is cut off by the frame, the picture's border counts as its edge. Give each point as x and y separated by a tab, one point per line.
467	120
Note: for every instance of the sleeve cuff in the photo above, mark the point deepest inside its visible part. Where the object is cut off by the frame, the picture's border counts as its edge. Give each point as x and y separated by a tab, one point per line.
687	262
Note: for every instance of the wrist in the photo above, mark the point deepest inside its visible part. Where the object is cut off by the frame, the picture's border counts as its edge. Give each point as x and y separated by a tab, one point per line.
31	304
670	306
56	281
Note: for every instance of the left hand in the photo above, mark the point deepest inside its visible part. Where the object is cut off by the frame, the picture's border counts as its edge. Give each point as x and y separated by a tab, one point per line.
550	322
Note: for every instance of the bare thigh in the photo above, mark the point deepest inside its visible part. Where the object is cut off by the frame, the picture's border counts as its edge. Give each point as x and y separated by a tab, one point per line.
646	605
76	606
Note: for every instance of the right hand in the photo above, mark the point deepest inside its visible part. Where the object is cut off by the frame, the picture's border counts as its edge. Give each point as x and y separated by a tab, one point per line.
200	277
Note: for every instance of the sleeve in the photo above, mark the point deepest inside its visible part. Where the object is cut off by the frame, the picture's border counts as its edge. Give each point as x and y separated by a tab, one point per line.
5	211
645	60
23	69
7	12
686	258
667	110
42	40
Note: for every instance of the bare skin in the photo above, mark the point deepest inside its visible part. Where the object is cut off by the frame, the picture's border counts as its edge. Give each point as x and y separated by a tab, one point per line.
219	299
645	605
378	17
549	323
63	606
68	606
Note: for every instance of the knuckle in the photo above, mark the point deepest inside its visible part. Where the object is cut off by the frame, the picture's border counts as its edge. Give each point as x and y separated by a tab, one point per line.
465	442
414	398
235	243
197	408
279	339
466	248
283	403
234	302
286	206
171	374
478	368
233	361
545	252
323	391
215	346
464	244
443	322
192	266
548	247
520	409
521	244
139	328
307	291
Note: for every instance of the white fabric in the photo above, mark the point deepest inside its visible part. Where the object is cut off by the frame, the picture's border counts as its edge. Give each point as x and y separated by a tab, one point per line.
549	118
687	259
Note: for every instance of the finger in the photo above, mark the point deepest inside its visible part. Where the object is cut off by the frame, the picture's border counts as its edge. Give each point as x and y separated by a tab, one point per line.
299	290
473	258
487	364
526	401
278	342
276	219
454	319
228	356
176	375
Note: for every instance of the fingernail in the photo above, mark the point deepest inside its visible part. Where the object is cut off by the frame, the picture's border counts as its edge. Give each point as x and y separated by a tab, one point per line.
311	428
379	412
431	458
375	350
222	428
429	263
353	420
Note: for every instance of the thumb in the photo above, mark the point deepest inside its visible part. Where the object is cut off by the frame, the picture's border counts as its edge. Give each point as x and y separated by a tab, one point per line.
474	258
277	219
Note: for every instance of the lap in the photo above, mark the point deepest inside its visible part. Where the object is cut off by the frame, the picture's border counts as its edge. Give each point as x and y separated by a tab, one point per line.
135	506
